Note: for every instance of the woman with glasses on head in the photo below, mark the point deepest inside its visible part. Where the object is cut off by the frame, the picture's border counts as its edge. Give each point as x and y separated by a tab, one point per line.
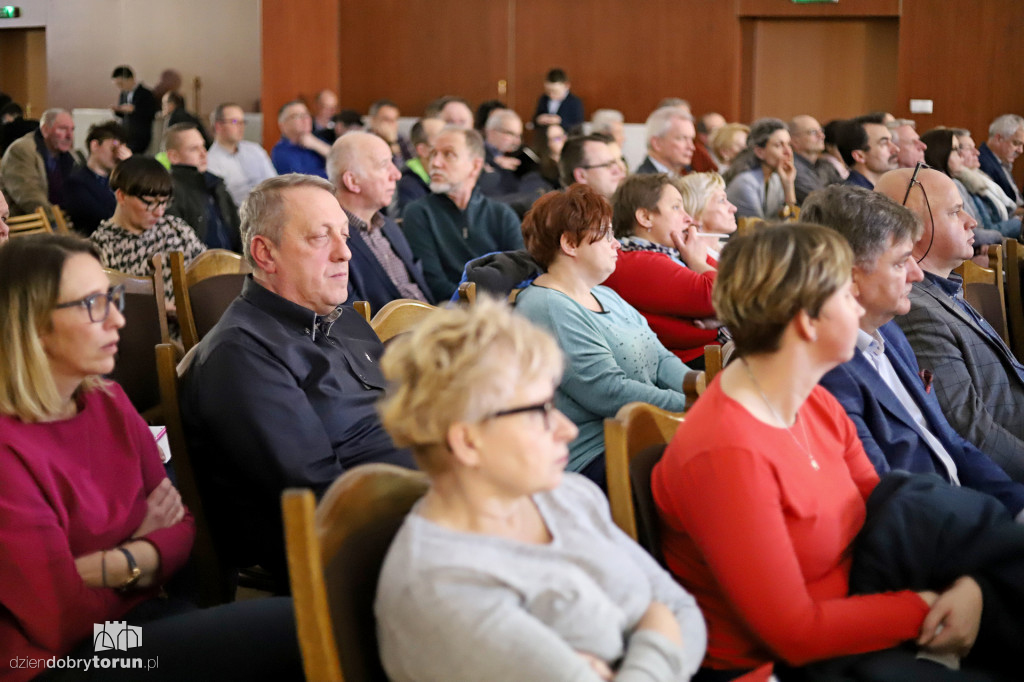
943	154
763	488
509	568
91	528
613	357
663	269
139	228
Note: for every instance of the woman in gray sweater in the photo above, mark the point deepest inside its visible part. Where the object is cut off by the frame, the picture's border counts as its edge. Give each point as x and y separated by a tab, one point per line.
509	568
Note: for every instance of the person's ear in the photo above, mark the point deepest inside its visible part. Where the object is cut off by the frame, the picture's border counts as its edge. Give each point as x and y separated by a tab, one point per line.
463	441
859	156
350	182
805	326
262	250
644	217
568	248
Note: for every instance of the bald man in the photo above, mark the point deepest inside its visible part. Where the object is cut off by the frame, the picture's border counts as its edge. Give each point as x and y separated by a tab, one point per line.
362	170
978	381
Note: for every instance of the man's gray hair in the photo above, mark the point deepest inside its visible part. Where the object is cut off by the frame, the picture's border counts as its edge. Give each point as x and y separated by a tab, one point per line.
263	211
659	122
604	119
474	141
50	115
897	122
497	118
869	221
1006	125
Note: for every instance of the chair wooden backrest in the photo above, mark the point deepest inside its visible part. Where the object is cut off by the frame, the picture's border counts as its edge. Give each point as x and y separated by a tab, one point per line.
635	428
61	221
398	317
712	361
216	578
984	289
35	222
204	290
467	293
363	308
334	558
747	224
1012	264
145	327
694	384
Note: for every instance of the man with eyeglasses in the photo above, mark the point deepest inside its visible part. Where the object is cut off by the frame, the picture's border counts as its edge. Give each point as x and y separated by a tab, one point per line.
897	416
808	142
978	381
242	164
591	160
998	154
503	136
299	150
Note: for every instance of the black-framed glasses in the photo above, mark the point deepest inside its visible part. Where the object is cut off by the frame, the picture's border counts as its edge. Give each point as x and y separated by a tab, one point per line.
606	164
154	203
98	305
927	205
545	408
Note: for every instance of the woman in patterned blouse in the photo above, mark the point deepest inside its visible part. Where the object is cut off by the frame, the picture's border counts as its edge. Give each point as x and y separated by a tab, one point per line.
139	229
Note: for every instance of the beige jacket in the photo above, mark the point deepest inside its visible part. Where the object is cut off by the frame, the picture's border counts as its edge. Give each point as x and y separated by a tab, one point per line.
24	177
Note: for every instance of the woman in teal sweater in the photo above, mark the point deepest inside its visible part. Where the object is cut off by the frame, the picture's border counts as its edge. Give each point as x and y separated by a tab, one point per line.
612	356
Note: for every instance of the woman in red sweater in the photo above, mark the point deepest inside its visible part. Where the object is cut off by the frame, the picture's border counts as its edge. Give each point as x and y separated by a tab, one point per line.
90	525
663	268
763	488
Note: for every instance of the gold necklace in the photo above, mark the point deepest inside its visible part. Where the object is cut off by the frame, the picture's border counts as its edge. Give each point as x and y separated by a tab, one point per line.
803	446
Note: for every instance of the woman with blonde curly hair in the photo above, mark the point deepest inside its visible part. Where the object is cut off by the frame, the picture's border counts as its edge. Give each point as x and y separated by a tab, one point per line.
510	568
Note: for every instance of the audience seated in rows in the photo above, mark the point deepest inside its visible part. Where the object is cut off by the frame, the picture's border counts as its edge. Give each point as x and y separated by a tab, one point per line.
88	198
454	111
93	530
510	568
558	106
612	356
140	227
282	392
994	207
172	106
905	136
727	142
325	107
13	125
867	149
977	379
382	267
200	197
705	200
36	167
382	120
765	486
998	154
298	150
812	171
663	269
456	222
898	418
240	163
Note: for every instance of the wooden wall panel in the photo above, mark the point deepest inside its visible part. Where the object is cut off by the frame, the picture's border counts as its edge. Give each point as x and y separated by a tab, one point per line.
967	57
824	67
843	8
623	57
300	55
413	51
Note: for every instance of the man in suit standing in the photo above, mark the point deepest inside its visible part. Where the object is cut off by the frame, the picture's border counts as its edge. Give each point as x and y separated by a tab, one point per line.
136	106
382	268
978	381
895	411
670	141
996	156
558	106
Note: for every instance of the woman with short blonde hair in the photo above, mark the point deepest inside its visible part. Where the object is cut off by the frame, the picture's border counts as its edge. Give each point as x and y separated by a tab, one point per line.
510	568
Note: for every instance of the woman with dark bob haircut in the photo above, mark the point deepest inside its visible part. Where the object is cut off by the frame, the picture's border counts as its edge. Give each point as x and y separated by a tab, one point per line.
91	527
612	356
763	488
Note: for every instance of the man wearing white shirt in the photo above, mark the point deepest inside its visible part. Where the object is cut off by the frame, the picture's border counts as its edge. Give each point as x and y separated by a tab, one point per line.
241	163
890	401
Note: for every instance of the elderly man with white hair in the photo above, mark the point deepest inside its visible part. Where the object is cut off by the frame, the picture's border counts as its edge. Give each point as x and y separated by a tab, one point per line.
361	168
1005	143
670	141
37	165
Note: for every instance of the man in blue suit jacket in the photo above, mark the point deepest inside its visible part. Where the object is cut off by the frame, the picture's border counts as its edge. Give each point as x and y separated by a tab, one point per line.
996	156
894	408
382	268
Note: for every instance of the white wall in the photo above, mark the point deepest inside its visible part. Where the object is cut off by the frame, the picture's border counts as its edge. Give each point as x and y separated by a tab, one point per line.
217	40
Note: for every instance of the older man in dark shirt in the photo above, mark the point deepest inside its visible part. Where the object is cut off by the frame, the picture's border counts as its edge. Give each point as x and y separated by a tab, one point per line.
282	392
